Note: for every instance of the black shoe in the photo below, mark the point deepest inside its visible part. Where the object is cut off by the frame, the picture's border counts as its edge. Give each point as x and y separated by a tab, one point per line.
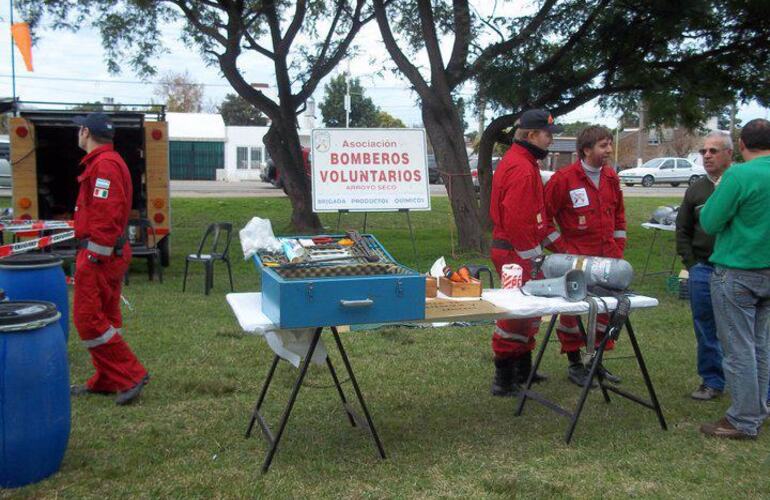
578	374
128	396
80	390
608	375
83	390
522	368
503	384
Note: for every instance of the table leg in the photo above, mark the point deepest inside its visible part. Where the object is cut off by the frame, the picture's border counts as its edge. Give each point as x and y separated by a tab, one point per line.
372	430
339	390
586	389
262	394
292	399
646	375
543	343
649	253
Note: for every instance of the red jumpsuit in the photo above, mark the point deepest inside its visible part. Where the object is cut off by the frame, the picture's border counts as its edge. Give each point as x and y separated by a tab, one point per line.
521	229
592	221
101	215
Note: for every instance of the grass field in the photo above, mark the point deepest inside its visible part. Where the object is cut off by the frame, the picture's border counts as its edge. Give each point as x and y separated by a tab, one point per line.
428	391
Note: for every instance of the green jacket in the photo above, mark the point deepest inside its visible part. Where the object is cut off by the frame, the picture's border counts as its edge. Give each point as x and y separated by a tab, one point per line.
692	242
738	213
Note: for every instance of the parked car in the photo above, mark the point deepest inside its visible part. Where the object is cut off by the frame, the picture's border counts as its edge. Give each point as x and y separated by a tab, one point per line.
272	173
434	177
474	161
674	171
5	173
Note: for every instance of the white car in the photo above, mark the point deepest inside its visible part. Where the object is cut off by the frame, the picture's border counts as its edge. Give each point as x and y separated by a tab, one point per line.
672	171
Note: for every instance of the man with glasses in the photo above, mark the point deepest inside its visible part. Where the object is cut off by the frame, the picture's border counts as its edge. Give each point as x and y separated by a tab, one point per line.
737	214
695	246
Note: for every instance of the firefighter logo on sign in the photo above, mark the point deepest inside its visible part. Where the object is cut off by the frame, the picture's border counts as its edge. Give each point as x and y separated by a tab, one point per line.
579	198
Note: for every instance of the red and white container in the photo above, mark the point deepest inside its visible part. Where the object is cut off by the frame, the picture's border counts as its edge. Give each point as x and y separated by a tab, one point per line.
512	275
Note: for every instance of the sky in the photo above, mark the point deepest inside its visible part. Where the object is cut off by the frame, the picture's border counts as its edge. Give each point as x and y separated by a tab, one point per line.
70	67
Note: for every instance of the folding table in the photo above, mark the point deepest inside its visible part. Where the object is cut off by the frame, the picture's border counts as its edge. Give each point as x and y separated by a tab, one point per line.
656	228
508	304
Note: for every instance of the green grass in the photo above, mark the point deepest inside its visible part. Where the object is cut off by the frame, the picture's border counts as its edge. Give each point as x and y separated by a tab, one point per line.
428	391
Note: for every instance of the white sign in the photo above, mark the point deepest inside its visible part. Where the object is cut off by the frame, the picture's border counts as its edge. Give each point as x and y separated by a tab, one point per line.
369	170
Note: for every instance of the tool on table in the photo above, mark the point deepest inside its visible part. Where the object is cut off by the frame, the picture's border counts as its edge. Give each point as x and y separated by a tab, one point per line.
362	246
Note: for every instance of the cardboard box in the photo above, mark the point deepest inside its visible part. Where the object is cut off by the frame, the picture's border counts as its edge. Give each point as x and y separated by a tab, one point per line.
456	289
431	287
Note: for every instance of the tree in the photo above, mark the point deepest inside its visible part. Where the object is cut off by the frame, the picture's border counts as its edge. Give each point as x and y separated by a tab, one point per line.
573	129
236	110
363	112
684	60
180	93
386	120
303	40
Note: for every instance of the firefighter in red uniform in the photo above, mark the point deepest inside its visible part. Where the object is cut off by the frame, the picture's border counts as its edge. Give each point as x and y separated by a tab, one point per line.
522	229
586	201
101	215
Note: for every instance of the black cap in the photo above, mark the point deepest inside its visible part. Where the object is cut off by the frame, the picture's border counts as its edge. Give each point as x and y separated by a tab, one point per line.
98	124
539	119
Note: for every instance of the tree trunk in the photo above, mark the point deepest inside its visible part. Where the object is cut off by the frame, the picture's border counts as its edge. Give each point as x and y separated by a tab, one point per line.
492	135
282	142
446	136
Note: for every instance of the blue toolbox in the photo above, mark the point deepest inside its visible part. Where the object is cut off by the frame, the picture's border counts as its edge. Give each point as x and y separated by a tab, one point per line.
337	280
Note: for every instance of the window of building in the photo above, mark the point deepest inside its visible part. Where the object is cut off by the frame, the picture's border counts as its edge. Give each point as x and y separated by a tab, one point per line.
256	158
242	158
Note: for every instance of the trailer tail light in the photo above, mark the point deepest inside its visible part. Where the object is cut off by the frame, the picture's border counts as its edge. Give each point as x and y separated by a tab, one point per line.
22	131
157	134
25	203
159	218
158	203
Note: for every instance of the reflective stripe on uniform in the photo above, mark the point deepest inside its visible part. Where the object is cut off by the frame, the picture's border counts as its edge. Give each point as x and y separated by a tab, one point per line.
619	234
101	339
99	249
511	336
568	329
551	238
531	253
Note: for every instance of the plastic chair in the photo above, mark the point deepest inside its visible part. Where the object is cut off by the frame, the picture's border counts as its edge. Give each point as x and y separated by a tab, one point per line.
221	234
141	236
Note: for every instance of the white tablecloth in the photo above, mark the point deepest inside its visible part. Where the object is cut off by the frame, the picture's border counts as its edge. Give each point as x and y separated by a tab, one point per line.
291	345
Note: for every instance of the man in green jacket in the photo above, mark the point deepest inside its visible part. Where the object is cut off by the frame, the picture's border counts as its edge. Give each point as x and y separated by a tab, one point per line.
738	215
695	247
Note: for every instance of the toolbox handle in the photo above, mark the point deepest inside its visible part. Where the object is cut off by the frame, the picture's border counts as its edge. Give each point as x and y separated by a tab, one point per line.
356	303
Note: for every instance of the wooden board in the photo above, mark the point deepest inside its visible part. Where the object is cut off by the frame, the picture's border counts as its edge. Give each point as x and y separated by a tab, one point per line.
157	175
445	308
23	169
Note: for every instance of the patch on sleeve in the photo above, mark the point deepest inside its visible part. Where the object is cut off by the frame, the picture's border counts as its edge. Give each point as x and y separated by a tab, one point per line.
101	193
102	183
579	197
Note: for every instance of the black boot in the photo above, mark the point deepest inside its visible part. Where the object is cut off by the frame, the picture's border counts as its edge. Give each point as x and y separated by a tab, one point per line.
522	369
503	385
608	376
577	373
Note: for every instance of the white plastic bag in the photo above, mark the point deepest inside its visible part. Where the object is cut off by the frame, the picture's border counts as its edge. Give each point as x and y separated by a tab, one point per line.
258	235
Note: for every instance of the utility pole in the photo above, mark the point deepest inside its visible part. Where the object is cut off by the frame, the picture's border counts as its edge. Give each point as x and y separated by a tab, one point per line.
641	137
13	62
347	96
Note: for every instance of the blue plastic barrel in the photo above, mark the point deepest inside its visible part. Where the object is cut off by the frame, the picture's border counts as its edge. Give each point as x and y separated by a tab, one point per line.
33	276
34	392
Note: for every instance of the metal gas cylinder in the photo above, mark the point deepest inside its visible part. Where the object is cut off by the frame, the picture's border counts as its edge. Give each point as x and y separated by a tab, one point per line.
603	271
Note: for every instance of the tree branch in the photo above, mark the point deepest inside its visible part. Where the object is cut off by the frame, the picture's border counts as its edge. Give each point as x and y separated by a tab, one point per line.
402	62
294	27
437	75
252	44
573	40
193	18
459	57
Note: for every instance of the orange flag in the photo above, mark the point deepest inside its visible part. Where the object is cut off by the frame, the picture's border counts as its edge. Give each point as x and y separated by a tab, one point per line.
23	38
